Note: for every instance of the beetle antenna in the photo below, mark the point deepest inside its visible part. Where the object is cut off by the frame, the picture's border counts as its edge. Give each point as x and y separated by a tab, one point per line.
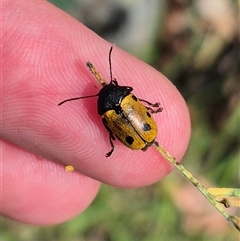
77	98
110	62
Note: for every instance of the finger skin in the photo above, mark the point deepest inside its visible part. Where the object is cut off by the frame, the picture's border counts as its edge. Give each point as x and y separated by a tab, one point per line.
45	54
36	190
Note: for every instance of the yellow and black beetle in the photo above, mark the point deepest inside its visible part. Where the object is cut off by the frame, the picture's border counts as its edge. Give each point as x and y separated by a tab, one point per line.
123	114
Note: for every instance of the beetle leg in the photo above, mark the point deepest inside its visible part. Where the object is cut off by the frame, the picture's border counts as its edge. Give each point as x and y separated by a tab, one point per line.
149	103
154	111
111	139
114	81
155	105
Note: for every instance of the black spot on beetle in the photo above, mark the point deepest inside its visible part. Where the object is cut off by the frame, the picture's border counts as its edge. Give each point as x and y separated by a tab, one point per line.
129	140
148	114
146	127
134	97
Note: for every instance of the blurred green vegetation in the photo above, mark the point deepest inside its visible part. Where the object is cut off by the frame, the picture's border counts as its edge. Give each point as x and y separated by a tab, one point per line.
200	55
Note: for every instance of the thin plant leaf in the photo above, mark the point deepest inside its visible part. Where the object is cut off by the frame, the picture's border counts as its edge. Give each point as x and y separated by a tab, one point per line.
232	219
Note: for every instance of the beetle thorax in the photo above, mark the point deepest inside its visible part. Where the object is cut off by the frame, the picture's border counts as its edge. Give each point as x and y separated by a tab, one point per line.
110	97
